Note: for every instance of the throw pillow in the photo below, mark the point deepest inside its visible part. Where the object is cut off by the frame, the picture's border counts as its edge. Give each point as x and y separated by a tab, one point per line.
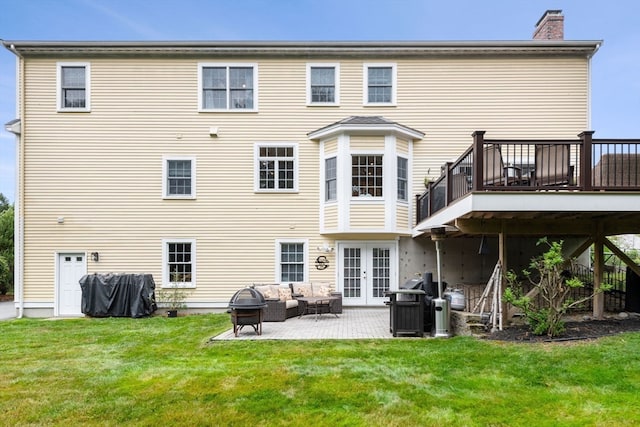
303	289
285	293
321	290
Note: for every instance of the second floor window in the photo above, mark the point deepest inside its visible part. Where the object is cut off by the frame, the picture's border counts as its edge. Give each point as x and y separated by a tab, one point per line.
380	84
276	168
73	82
228	87
366	176
322	86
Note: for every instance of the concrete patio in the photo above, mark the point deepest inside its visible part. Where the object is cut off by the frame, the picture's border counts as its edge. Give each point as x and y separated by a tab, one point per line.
353	323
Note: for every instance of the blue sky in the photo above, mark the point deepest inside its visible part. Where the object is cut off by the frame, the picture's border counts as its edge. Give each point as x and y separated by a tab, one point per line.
615	99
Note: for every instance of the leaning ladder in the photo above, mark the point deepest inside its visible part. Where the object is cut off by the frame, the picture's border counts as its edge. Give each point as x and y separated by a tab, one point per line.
492	292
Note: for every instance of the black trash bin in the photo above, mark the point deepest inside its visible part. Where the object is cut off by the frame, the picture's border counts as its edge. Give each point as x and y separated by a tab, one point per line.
406	312
430	288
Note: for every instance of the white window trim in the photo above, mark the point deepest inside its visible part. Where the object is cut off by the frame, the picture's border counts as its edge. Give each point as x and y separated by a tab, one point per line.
336	83
165	189
256	167
166	283
254	65
87	88
385	172
323	176
365	84
278	266
405	157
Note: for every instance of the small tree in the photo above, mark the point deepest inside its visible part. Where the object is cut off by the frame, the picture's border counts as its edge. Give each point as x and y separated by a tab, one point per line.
554	282
172	298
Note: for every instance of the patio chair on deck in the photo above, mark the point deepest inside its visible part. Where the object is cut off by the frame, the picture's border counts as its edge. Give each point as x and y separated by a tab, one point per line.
553	166
493	173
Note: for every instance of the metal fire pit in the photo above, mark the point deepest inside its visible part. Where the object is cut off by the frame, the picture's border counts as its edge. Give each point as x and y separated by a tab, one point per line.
246	307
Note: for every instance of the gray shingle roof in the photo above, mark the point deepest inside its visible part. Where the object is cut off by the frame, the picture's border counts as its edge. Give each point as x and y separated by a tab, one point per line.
373	121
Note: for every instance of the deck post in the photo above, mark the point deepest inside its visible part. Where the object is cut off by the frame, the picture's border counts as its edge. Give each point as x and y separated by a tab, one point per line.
502	254
478	159
447	180
598	269
586	160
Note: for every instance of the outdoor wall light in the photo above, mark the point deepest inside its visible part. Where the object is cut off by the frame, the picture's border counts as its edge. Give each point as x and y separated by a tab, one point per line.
213	131
95	256
325	249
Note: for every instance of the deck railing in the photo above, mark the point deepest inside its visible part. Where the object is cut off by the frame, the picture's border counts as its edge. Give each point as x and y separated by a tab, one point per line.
584	164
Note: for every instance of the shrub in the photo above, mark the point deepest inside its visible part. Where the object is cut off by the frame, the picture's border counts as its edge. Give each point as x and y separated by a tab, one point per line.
554	281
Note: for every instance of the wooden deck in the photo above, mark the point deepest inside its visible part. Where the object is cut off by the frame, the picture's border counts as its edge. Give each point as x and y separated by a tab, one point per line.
585	165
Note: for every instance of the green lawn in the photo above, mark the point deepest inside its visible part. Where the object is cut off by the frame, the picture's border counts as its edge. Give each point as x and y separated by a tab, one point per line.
160	371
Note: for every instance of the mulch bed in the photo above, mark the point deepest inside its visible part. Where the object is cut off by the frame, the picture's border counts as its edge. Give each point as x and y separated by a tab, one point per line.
6	298
574	330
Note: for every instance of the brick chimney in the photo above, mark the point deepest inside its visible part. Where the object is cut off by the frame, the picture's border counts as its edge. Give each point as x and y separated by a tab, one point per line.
550	26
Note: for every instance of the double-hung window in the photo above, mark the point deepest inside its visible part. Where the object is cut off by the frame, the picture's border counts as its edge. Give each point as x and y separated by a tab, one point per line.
179	177
228	87
73	86
291	265
379	84
179	263
276	167
403	178
330	179
366	176
323	84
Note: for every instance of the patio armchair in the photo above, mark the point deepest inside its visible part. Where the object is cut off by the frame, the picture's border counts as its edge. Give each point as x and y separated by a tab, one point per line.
552	166
493	173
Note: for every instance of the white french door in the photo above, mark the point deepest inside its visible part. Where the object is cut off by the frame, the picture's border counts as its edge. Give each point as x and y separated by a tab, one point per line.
366	270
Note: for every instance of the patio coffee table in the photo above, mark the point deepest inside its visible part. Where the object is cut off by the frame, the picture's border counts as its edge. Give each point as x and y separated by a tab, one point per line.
318	304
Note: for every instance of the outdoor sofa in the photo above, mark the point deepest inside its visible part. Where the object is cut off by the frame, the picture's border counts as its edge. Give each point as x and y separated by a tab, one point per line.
318	289
282	302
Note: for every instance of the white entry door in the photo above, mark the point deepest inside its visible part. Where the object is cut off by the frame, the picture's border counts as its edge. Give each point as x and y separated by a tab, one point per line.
71	268
366	271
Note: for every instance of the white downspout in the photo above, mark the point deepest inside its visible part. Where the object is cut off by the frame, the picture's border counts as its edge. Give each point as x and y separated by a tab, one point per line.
18	224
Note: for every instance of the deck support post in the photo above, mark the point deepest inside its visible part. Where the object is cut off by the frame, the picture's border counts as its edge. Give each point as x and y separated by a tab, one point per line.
598	269
502	254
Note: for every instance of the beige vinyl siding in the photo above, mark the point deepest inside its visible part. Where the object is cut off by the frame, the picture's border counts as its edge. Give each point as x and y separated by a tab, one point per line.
402	217
102	171
402	146
363	143
331	146
366	216
331	217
